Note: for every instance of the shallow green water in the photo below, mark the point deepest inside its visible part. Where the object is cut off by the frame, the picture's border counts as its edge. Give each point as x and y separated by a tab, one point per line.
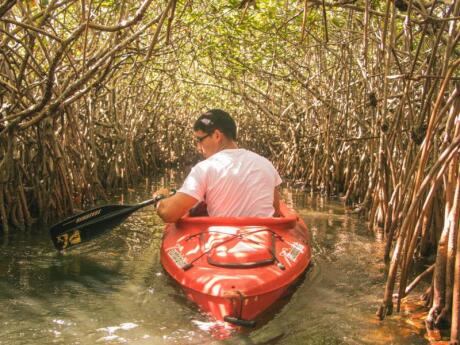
114	291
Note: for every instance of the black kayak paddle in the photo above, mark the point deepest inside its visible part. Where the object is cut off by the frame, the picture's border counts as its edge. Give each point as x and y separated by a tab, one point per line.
85	226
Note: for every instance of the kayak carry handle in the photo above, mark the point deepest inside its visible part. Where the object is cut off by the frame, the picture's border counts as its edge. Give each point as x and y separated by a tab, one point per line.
240	322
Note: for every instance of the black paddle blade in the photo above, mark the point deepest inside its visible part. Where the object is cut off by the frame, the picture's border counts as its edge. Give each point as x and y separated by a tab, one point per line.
89	224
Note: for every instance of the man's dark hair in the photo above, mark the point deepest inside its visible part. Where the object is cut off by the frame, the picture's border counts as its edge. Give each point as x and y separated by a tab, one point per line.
216	119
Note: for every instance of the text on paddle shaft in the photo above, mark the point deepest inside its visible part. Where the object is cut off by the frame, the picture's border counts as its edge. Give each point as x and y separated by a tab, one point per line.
87	216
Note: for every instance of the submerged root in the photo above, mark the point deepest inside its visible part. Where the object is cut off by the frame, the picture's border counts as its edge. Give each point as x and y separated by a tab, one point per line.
438	318
384	310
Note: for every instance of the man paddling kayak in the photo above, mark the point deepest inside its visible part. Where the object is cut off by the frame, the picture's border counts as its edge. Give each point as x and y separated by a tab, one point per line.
233	182
238	261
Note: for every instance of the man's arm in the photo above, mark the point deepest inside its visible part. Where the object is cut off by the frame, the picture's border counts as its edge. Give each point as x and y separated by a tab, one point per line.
276	202
173	208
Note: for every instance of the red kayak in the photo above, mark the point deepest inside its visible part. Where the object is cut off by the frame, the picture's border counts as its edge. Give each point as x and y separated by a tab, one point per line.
234	268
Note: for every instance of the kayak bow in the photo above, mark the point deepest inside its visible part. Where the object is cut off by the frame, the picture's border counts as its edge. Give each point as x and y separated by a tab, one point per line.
234	268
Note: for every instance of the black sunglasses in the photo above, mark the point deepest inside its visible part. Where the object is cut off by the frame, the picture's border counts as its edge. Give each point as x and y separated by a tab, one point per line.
200	139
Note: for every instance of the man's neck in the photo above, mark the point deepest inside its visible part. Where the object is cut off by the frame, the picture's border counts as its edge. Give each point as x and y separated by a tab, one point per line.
229	145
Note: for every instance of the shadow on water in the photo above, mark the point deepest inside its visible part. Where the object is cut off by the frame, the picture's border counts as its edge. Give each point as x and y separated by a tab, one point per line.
114	290
63	272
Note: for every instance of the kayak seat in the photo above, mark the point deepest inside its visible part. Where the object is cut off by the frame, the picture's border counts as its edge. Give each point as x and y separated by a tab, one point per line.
239	247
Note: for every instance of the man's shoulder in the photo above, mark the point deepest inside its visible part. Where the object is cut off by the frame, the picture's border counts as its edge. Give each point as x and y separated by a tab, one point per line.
207	164
253	155
204	164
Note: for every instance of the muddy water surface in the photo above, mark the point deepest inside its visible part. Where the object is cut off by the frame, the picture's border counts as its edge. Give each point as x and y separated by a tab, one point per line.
114	290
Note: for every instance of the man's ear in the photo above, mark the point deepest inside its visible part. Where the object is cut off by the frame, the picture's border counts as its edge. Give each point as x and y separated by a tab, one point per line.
219	134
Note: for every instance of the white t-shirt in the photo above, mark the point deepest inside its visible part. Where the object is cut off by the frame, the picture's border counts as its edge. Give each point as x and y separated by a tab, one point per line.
234	183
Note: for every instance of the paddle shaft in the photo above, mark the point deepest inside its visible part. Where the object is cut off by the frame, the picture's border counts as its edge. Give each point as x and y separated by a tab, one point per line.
127	210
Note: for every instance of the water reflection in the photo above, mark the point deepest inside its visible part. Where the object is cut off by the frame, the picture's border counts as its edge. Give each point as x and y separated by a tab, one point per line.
114	290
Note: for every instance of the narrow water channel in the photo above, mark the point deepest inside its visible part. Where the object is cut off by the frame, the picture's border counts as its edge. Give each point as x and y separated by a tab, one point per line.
114	290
